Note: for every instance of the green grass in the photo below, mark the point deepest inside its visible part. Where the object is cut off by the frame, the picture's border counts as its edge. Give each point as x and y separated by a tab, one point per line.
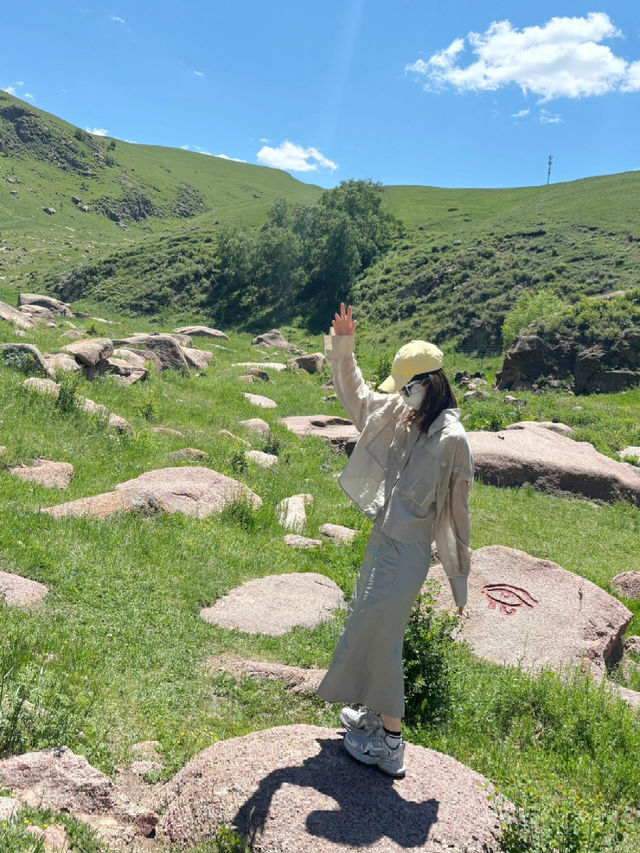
116	652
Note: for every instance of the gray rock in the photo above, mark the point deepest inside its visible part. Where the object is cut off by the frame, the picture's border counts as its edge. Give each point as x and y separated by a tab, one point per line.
130	357
72	335
197	358
38	314
188	454
11	315
201	331
60	362
338	534
525	610
263	460
552	463
42	386
25	357
630	452
260	401
256	425
330	427
9	808
292	540
161	430
274	338
20	592
165	347
560	429
90	352
296	789
292	513
45	472
626	584
56	306
277	603
510	400
311	362
262	365
193	491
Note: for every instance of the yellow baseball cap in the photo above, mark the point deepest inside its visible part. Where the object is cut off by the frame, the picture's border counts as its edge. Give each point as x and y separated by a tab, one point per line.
412	359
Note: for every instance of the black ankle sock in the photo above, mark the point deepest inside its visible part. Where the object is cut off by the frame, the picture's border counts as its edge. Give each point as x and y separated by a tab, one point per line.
392	734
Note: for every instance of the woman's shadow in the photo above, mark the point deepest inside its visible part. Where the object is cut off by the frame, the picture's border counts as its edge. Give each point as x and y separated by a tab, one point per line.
370	807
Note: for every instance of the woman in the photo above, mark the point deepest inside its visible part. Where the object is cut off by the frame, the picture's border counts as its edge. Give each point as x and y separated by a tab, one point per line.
410	472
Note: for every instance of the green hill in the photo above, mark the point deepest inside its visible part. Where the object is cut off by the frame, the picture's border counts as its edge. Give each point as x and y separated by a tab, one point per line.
135	229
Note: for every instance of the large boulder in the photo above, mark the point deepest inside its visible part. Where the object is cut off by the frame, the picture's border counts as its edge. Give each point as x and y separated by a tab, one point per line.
274	338
531	357
198	358
194	491
124	372
165	347
56	306
24	357
39	314
60	362
201	331
277	603
592	375
552	463
295	788
92	354
522	609
12	315
62	781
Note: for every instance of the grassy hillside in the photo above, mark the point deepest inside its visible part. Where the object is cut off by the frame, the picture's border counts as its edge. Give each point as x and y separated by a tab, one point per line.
144	189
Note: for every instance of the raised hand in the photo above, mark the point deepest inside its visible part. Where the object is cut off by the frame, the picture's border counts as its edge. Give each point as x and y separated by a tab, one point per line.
343	324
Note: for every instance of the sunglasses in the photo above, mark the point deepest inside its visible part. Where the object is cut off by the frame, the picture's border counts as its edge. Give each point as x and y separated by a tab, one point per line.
408	389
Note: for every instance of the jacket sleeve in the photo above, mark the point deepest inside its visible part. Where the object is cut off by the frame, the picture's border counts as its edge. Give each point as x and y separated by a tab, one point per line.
452	529
356	397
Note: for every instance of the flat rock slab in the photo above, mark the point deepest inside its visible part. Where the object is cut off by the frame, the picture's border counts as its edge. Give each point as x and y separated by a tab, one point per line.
256	425
325	426
42	386
626	584
338	534
552	463
277	603
264	460
20	592
294	788
201	332
259	400
45	472
166	431
262	365
191	490
292	540
530	611
561	429
60	780
292	512
56	306
298	679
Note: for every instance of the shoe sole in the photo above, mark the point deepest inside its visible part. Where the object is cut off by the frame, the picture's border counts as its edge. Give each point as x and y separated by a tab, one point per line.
372	761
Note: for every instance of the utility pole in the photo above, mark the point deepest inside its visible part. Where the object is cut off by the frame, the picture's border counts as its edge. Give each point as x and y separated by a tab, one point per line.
549	168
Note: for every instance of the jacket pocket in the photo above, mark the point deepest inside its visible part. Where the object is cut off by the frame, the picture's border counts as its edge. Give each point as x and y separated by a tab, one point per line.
419	481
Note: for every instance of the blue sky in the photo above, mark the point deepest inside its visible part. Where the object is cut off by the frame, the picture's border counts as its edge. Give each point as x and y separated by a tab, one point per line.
463	93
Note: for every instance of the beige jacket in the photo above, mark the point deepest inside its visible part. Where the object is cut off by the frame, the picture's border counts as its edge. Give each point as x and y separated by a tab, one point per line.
414	485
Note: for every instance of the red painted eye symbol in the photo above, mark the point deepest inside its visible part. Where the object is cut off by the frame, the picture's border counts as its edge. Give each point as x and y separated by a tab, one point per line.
507	597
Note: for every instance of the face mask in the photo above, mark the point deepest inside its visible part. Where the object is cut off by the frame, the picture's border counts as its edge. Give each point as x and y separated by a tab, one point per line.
414	400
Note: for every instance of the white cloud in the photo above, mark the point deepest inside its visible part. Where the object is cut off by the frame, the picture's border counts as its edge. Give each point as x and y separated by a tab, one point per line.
520	114
97	131
264	140
29	96
10	91
199	73
294	158
547	118
564	57
20	83
226	157
117	20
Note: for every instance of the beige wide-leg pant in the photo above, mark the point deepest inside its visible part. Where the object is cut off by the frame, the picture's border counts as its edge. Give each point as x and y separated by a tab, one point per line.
367	662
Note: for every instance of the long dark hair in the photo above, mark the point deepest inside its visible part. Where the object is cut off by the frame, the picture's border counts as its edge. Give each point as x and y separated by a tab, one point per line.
438	397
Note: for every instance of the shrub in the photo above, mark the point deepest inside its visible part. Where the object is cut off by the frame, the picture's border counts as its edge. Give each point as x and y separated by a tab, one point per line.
543	305
146	405
426	659
382	369
68	393
240	512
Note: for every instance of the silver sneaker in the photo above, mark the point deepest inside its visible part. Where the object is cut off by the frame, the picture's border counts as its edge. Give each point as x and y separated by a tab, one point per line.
372	748
361	720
